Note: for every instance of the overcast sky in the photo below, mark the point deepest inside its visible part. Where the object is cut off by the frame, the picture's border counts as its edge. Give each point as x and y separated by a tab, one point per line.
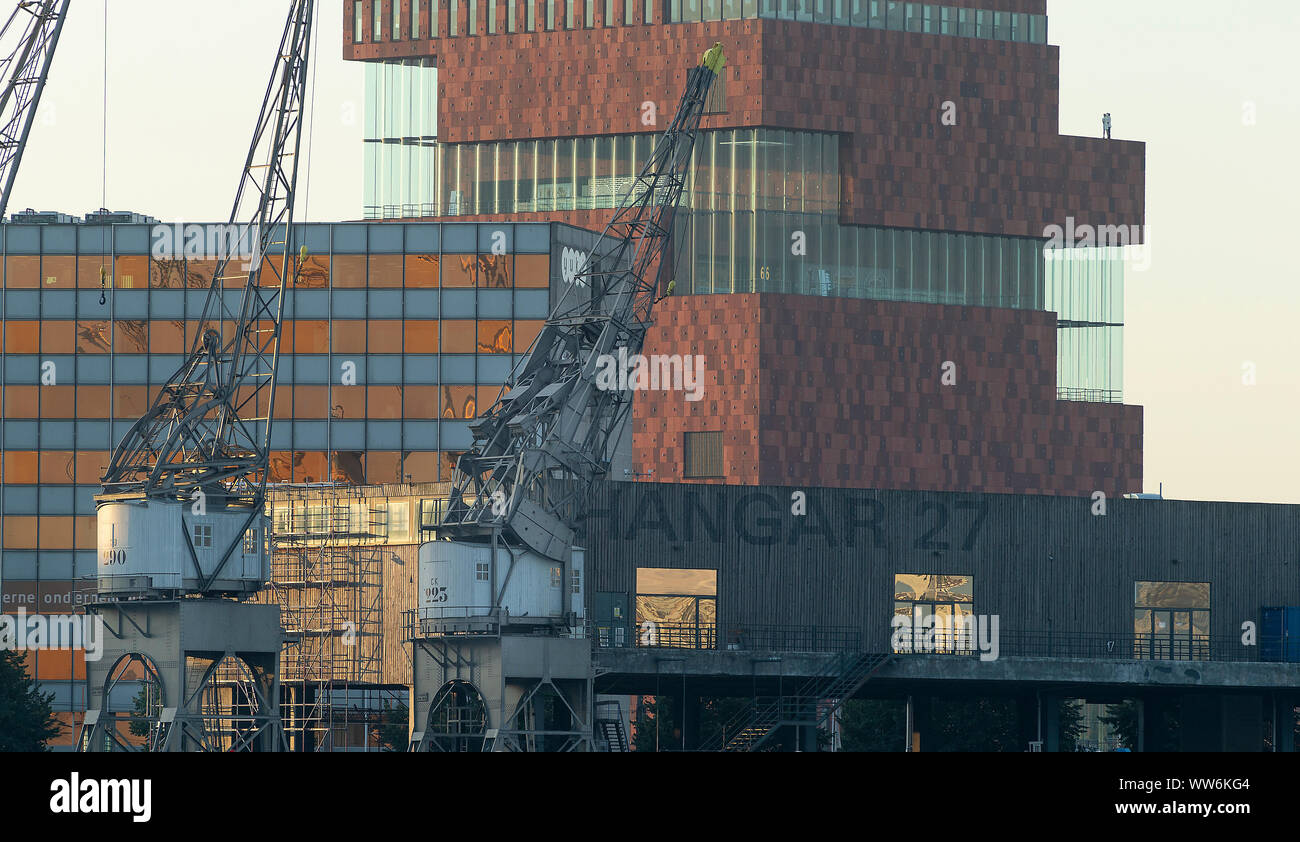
185	80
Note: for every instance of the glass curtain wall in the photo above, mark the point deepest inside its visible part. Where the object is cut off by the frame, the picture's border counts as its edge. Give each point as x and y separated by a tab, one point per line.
896	15
761	214
401	128
930	18
1085	288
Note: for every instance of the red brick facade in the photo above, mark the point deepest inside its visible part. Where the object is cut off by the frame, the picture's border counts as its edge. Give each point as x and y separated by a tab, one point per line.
1002	169
825	391
833	392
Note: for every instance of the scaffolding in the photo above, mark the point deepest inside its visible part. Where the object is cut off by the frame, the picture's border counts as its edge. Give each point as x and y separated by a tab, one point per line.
327	576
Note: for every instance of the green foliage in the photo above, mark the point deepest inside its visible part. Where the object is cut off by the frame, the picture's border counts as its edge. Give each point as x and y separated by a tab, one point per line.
139	726
955	725
1123	720
1162	733
27	721
1070	719
874	725
394	729
655	725
981	724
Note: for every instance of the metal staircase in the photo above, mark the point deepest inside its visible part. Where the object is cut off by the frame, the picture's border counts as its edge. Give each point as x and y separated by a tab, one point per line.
610	735
811	706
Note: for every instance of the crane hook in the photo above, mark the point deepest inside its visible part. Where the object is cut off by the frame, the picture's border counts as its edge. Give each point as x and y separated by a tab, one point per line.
103	285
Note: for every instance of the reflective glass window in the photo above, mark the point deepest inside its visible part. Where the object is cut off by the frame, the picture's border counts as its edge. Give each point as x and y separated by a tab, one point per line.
386	270
22	401
421	401
459	270
349	271
22	337
421	336
130	336
459	336
385	336
348	336
58	337
22	271
495	337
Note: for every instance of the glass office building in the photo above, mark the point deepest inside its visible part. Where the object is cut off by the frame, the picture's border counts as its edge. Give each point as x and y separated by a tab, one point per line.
394	337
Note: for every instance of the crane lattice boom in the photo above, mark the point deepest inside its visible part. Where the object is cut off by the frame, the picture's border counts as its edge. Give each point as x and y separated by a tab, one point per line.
209	428
550	435
25	71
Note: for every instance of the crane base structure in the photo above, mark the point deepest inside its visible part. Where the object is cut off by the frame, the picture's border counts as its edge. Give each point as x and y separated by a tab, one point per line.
184	675
518	693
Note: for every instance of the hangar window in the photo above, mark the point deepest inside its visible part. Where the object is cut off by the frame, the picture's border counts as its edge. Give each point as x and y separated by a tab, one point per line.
676	608
942	602
1171	621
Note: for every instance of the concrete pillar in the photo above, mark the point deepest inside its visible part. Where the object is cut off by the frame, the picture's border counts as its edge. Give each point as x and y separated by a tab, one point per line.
1154	730
918	718
689	704
1027	719
1051	723
808	738
1243	722
1200	723
1284	722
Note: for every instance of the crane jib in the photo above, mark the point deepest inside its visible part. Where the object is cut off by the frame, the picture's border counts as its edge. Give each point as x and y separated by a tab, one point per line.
538	450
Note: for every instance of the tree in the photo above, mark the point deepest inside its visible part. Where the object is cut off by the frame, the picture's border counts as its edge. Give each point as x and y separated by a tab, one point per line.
874	725
394	728
1123	720
1070	721
27	721
655	725
977	724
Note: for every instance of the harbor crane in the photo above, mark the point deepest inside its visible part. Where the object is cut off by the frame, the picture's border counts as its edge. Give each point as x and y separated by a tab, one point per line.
499	627
181	516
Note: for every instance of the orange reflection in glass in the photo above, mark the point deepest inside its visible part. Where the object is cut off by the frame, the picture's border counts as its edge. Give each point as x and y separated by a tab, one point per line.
495	337
533	271
23	272
94	337
131	337
386	270
421	336
458	270
349	271
422	271
58	402
22	337
132	272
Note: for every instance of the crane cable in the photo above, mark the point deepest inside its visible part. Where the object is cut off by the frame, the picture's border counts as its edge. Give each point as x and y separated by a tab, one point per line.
103	270
311	133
